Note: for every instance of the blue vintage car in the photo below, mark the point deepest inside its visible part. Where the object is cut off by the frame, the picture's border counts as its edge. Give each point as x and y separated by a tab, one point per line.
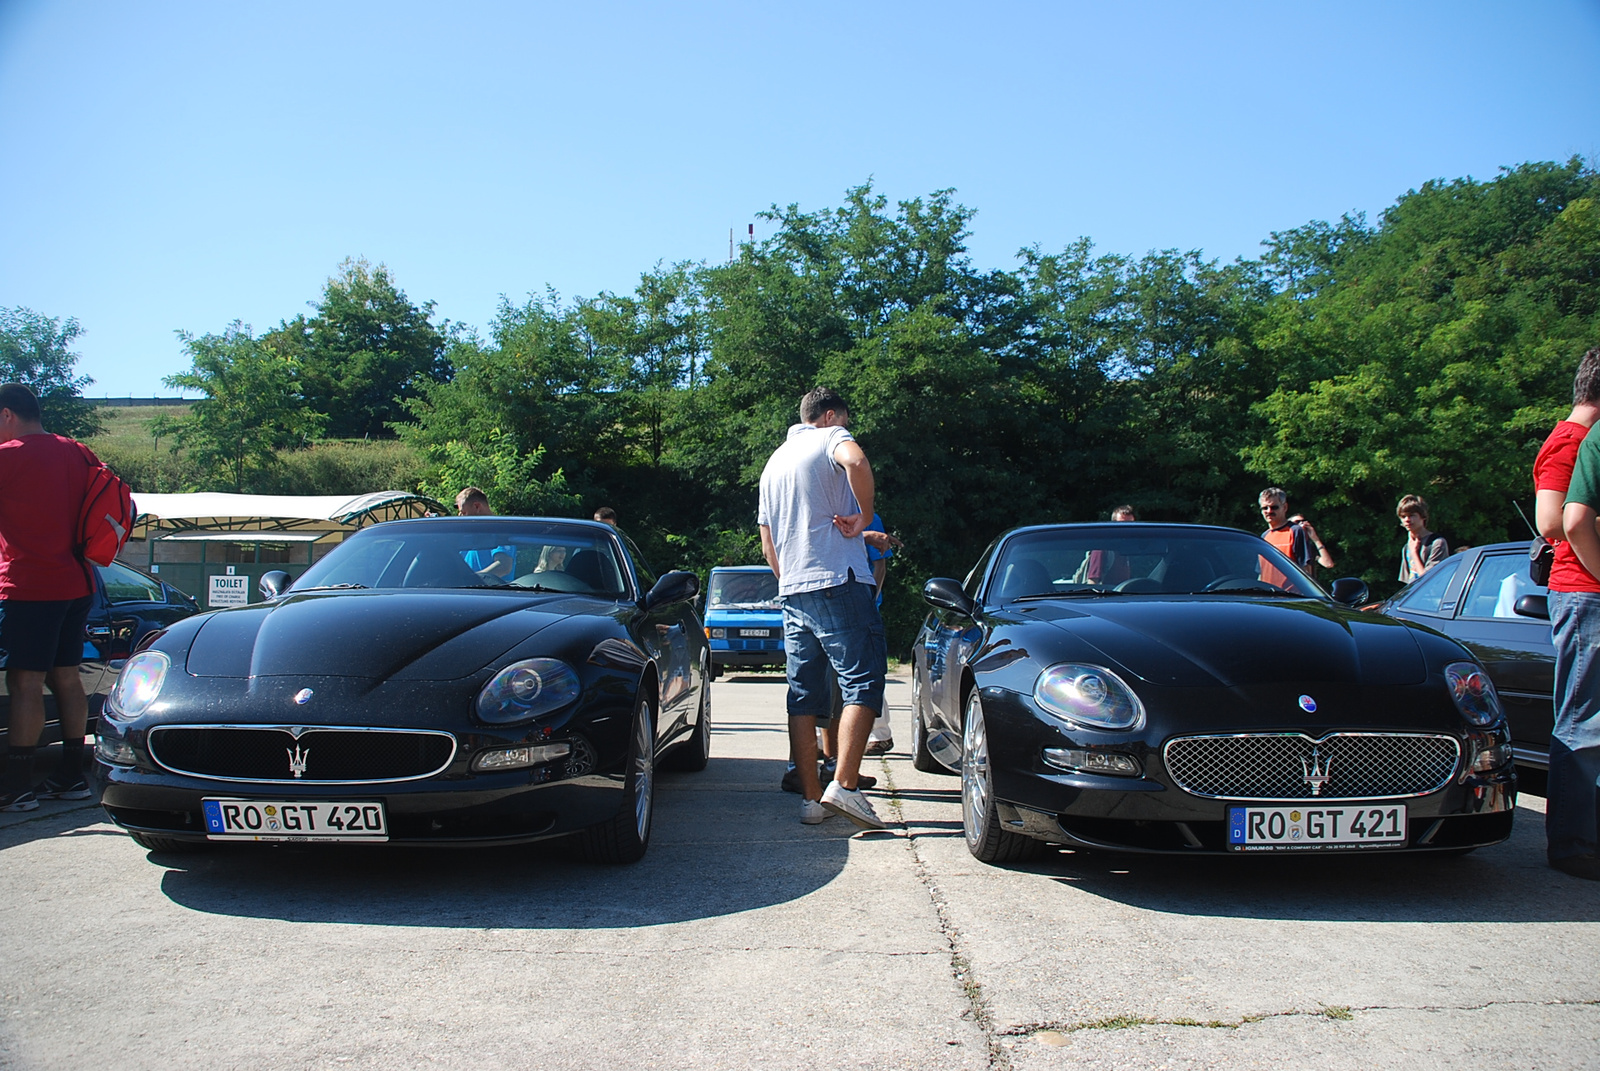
744	622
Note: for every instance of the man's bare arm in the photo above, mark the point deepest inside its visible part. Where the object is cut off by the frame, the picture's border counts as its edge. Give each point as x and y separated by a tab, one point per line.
769	550
1547	513
853	460
1579	522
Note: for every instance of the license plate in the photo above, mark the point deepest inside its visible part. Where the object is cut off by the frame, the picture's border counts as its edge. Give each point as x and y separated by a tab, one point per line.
754	633
294	820
1310	828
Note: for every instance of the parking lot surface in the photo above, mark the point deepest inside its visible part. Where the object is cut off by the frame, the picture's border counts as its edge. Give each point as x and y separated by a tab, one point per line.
744	938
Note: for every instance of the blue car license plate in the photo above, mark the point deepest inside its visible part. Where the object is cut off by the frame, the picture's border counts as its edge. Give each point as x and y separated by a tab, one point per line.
294	820
1316	827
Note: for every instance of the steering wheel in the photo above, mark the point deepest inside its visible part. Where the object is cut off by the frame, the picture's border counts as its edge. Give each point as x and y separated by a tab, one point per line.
553	580
1236	580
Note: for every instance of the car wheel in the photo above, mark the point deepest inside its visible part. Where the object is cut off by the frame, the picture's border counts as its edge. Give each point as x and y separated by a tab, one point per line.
921	757
692	755
987	840
624	838
153	842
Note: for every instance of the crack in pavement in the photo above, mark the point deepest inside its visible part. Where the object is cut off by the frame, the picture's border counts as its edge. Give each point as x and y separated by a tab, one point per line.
960	966
1333	1012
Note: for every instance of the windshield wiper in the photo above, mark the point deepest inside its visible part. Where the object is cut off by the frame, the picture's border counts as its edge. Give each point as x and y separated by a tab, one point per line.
1070	594
329	587
1253	589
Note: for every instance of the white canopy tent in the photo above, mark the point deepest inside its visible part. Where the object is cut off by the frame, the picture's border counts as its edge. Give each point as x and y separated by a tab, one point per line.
177	516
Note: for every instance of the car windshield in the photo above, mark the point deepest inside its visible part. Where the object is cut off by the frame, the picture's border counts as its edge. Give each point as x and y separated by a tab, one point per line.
743	591
473	553
1131	559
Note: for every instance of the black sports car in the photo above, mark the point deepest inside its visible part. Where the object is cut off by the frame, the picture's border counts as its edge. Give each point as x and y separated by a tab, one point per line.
1179	688
126	606
442	680
1473	598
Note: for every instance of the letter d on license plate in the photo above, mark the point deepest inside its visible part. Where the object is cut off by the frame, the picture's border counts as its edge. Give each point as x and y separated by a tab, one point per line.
1316	827
294	820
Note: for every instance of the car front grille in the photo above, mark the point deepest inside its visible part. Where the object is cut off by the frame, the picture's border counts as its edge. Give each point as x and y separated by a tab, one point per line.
314	756
1291	766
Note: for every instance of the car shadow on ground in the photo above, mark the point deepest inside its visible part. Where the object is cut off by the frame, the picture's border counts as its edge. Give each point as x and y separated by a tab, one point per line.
725	841
1504	883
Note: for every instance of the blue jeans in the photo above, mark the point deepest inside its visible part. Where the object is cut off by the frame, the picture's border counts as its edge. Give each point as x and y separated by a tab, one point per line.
1570	811
838	626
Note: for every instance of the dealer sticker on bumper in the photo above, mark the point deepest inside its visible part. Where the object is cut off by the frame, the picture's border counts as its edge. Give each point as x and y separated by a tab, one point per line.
1310	828
294	820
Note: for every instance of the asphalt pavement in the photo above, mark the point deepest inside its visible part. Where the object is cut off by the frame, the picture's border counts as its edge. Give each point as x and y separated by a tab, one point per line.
744	938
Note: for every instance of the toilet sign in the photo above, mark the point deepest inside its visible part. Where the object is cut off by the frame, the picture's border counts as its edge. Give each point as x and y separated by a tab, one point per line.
229	591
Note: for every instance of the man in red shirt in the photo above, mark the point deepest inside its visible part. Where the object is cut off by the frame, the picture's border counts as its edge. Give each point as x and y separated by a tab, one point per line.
44	597
1571	796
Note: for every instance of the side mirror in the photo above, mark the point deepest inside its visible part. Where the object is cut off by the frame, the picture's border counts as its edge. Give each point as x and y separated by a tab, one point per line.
273	584
677	586
947	594
1533	606
1349	591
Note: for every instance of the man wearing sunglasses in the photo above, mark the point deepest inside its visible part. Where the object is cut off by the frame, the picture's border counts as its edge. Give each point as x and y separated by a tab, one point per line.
1294	536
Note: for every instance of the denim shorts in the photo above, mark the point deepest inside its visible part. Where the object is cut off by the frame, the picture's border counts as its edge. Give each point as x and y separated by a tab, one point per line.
836	626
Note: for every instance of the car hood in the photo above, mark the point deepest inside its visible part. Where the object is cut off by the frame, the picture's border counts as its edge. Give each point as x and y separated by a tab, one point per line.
376	635
1214	640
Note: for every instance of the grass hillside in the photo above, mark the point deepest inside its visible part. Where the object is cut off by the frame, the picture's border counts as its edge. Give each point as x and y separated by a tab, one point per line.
338	467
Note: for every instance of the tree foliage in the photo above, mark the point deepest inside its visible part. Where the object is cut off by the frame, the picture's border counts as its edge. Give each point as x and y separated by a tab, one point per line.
364	353
252	409
1352	362
35	350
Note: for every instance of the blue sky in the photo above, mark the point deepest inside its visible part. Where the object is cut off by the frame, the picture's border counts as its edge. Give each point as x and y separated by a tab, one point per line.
173	165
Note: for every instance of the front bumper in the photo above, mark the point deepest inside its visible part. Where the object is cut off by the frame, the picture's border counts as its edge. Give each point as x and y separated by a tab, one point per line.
506	808
1149	813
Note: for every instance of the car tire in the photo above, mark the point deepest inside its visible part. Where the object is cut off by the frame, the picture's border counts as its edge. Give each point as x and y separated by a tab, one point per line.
921	758
625	837
692	755
987	839
154	842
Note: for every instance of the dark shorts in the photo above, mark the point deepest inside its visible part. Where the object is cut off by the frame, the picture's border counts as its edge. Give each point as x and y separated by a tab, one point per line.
40	636
837	627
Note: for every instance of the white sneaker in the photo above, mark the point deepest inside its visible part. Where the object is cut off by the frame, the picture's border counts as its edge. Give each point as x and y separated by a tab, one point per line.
811	812
851	805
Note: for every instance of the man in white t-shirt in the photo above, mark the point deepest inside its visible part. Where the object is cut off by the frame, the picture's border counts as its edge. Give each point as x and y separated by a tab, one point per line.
816	500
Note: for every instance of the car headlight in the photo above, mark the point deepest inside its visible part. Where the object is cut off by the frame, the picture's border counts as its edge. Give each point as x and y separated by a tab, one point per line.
528	689
1473	693
139	683
1086	695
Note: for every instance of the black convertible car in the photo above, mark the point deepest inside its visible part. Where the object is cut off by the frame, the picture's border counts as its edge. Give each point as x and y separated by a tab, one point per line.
1178	688
444	680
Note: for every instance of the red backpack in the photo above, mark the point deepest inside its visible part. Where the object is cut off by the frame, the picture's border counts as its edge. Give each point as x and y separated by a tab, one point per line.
106	516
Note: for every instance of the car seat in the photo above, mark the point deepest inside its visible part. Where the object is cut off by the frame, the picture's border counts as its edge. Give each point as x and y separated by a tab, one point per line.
1025	576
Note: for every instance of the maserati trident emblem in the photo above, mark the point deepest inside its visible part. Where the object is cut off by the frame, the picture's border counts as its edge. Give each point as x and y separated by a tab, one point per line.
297	761
1317	771
303	696
1307	704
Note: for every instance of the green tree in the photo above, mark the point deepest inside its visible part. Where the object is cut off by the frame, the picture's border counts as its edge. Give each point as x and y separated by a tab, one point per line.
252	409
34	349
1429	354
509	476
366	351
